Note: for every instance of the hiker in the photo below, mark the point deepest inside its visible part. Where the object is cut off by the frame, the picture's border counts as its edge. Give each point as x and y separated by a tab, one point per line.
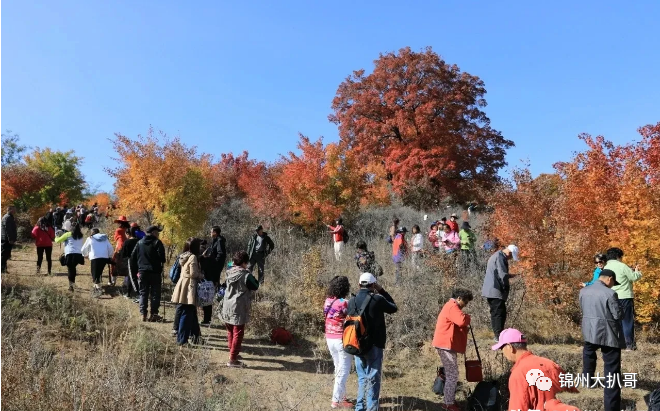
366	260
139	234
149	257
9	235
259	246
334	310
120	237
433	237
213	261
417	246
450	240
625	278
98	249
399	252
73	243
66	226
337	237
496	286
524	396
391	235
44	234
58	217
600	261
124	268
185	292
602	330
450	339
468	241
236	305
453	222
369	365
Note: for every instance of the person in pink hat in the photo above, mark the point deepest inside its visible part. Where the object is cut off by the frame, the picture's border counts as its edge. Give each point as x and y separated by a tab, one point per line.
527	367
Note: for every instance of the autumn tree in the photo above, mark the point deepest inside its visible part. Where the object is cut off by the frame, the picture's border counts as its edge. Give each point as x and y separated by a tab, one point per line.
65	179
102	200
163	180
258	182
606	196
424	120
22	185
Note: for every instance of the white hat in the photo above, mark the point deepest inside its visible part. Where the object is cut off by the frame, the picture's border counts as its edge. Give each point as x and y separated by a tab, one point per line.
367	278
514	251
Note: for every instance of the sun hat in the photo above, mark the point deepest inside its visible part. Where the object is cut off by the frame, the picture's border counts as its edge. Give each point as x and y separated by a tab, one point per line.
367	278
509	336
122	219
514	251
153	228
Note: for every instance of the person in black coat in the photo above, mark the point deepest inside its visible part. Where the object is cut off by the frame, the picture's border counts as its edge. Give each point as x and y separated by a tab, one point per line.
213	261
9	235
149	256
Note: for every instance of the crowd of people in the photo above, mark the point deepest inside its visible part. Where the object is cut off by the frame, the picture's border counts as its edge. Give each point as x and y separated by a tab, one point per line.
139	257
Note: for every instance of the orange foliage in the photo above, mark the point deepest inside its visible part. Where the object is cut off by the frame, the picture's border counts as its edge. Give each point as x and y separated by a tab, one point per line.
102	200
22	183
607	196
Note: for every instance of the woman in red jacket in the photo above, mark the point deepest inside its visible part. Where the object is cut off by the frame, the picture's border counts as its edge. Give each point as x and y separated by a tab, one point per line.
120	238
450	338
44	234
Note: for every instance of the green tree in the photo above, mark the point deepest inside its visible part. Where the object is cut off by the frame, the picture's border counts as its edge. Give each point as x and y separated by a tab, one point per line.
66	183
11	148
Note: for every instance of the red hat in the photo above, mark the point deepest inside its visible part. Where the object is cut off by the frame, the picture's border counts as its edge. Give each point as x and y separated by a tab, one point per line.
122	219
135	225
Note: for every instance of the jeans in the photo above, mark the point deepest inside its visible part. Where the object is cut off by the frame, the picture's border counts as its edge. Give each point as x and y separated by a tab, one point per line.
177	317
497	315
40	257
6	254
612	360
627	306
397	271
188	324
234	339
339	247
260	261
450	362
342	361
98	265
369	368
149	292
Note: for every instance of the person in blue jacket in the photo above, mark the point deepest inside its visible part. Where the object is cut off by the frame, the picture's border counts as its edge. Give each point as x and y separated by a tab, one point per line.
600	260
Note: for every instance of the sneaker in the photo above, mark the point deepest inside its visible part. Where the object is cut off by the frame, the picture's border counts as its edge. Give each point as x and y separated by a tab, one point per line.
38	270
155	318
205	323
342	404
71	287
144	318
236	364
174	333
136	301
450	407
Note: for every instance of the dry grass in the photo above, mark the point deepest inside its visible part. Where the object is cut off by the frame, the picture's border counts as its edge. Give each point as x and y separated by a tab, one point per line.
63	353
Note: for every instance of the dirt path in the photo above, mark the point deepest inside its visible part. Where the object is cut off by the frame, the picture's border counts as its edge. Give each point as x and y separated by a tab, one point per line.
299	377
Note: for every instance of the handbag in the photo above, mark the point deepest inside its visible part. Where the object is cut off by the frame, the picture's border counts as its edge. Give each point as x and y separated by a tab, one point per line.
63	259
473	368
439	383
205	293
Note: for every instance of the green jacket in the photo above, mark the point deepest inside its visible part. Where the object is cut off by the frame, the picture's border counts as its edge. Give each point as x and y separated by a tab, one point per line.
625	276
468	239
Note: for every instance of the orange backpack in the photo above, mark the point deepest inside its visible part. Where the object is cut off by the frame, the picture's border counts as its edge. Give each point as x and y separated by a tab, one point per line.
355	338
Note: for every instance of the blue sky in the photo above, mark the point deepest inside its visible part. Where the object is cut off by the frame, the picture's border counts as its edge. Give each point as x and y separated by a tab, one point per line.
234	76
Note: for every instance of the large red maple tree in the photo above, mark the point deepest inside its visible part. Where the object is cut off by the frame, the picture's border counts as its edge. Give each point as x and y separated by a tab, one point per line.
424	120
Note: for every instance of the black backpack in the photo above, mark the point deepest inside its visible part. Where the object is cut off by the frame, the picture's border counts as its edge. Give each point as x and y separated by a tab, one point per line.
653	400
485	397
345	236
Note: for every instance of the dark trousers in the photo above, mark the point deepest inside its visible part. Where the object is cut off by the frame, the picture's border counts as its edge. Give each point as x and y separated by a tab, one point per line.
40	257
177	317
612	360
150	284
208	313
497	315
71	272
98	265
188	324
259	260
6	254
627	306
